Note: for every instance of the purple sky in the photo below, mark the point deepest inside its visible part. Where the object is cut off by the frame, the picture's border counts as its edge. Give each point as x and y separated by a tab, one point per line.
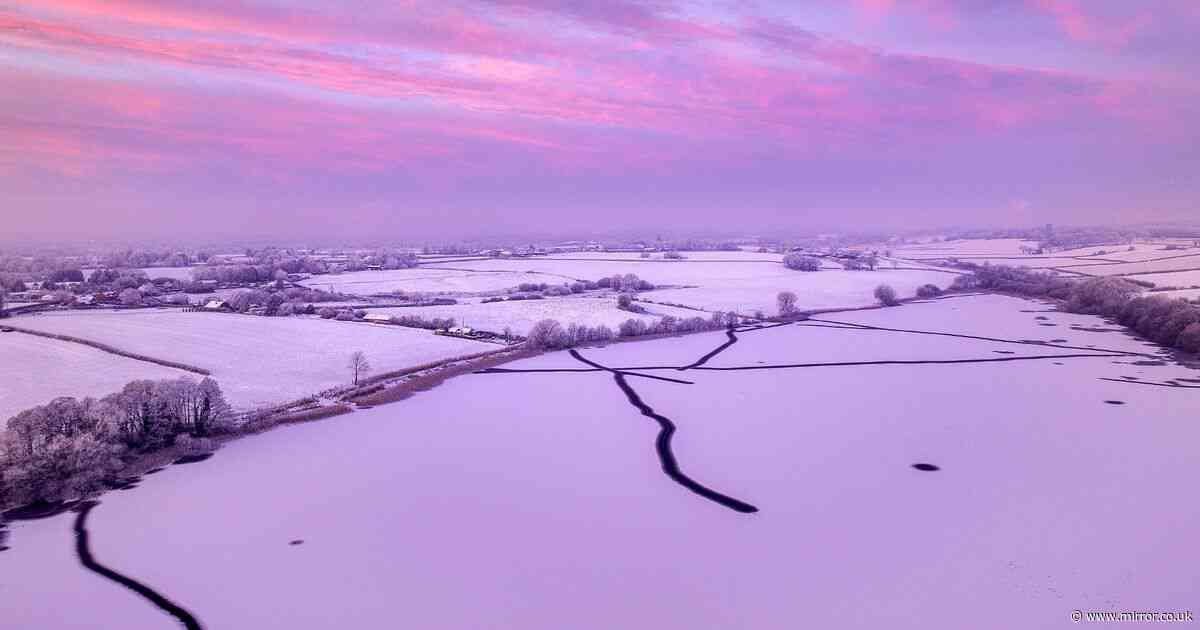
148	117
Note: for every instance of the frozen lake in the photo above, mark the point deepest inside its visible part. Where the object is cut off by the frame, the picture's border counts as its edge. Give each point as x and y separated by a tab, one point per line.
537	497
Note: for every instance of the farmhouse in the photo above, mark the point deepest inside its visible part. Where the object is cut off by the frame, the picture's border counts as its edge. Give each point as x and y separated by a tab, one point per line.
378	318
217	305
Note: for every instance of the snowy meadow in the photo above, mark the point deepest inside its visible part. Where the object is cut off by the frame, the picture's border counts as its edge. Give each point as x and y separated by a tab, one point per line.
942	458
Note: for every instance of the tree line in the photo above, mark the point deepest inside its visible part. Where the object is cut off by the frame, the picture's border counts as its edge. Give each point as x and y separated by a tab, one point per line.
1174	323
550	334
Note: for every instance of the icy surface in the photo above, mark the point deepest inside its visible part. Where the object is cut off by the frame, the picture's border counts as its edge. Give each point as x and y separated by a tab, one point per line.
536	500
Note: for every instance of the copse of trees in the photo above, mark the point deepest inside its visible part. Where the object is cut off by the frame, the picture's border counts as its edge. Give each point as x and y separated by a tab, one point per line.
801	262
626	283
71	447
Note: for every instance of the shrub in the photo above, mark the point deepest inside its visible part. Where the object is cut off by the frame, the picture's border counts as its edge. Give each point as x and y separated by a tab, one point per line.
886	295
928	291
625	303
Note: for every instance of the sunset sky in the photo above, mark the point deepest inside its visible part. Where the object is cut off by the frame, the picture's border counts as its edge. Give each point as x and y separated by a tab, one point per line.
209	117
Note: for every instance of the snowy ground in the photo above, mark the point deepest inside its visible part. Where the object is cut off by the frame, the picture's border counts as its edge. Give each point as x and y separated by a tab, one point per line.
503	501
1149	258
176	273
744	285
521	315
36	370
739	281
425	280
823	289
258	360
1180	279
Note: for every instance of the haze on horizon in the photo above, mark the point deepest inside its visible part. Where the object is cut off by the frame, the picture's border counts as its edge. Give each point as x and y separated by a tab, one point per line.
153	118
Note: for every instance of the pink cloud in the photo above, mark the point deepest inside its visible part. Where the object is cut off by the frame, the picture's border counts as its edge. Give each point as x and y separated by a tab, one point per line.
1085	26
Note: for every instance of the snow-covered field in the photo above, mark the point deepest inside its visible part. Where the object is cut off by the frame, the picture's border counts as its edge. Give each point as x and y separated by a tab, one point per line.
964	247
176	273
824	289
739	256
257	360
1178	279
426	280
742	285
1185	294
36	370
1167	262
741	281
521	315
537	500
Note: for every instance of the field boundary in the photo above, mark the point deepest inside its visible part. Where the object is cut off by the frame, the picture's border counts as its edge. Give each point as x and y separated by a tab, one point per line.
111	350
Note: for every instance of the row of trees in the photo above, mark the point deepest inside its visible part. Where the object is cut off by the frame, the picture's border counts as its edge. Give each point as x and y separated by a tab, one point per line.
550	334
1174	323
628	283
71	447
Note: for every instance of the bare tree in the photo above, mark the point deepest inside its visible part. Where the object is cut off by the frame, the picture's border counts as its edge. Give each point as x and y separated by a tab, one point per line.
787	302
359	365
